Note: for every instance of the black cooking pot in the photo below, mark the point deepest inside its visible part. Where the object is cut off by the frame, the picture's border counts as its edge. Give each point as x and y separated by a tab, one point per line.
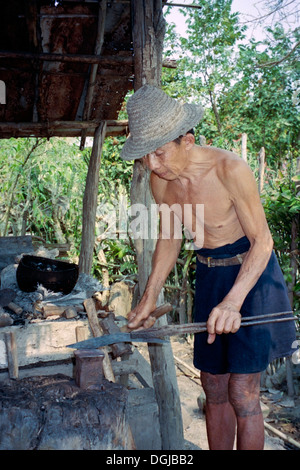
54	275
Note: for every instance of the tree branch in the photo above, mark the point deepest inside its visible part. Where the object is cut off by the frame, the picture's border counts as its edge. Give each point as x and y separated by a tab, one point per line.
277	62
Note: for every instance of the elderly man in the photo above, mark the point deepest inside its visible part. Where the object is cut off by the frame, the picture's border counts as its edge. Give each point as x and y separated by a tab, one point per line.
237	272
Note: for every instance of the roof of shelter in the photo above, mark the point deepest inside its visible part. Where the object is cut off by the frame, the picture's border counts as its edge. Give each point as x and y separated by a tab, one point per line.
63	63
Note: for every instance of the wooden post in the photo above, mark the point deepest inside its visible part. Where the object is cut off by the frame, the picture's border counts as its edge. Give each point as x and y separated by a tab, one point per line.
90	202
261	158
244	147
148	33
94	67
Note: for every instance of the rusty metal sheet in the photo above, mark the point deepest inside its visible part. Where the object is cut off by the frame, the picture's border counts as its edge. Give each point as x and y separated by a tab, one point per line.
42	91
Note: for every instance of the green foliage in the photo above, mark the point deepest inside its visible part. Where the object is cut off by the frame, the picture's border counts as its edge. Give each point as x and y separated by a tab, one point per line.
282	208
227	77
42	187
114	195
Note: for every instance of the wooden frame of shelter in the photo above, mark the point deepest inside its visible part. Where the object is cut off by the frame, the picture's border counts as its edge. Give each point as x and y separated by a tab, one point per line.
148	27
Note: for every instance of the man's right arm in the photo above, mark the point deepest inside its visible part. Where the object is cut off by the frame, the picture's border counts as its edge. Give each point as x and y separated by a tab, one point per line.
164	259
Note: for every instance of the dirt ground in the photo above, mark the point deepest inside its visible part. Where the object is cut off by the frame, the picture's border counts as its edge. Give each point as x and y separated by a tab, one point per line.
279	410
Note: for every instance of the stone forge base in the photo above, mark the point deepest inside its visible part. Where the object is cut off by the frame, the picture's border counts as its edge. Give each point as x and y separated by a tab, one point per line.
52	413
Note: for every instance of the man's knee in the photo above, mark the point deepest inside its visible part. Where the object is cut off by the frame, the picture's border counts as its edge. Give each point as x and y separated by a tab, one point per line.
243	394
215	387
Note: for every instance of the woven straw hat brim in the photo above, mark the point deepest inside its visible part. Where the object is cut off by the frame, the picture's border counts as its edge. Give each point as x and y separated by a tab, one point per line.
153	126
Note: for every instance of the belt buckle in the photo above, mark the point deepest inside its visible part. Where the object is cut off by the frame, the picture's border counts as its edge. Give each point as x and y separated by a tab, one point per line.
208	261
240	258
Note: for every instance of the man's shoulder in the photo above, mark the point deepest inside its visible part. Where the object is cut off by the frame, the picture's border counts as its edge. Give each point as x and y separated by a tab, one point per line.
223	156
227	162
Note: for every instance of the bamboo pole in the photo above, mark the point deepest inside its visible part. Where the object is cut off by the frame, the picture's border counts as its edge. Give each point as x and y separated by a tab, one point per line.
283	436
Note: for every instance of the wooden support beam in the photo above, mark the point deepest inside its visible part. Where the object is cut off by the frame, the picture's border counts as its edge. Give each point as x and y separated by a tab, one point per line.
182	5
94	67
117	60
148	34
90	202
60	128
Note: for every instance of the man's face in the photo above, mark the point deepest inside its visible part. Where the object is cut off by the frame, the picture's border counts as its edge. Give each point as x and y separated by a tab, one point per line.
167	161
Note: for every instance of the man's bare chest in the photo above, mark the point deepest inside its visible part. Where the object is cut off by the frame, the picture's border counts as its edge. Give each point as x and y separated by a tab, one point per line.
208	192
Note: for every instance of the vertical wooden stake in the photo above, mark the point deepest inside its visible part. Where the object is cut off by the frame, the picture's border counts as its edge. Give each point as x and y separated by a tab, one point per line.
244	147
95	327
90	202
12	355
261	158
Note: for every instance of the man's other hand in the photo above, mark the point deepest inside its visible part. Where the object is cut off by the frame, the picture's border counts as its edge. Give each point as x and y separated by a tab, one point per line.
224	318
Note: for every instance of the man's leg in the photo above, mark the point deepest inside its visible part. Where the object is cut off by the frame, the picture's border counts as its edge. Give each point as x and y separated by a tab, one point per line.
244	390
220	417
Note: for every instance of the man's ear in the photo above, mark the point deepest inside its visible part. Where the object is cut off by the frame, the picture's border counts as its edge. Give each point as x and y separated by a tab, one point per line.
189	141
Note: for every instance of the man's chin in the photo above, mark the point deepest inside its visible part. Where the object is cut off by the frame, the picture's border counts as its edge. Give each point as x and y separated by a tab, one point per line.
166	176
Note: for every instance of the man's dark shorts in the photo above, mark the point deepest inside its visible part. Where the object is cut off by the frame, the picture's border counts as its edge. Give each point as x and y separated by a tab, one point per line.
252	348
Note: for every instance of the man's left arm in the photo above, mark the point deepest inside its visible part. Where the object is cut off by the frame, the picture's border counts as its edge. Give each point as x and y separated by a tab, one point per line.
243	192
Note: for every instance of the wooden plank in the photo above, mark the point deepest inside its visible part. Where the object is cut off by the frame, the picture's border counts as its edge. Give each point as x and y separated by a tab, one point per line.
114	60
81	333
117	60
12	355
42	342
52	310
6	132
52	125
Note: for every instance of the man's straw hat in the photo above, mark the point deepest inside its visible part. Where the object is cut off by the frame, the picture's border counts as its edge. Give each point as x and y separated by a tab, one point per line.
156	119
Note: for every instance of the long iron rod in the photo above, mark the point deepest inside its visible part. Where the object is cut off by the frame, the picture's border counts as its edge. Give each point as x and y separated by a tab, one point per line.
200	327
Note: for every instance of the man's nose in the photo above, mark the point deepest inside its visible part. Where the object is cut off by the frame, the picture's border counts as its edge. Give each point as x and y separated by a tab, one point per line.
153	162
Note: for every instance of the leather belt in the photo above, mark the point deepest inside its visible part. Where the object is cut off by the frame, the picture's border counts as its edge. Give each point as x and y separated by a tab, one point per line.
213	262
